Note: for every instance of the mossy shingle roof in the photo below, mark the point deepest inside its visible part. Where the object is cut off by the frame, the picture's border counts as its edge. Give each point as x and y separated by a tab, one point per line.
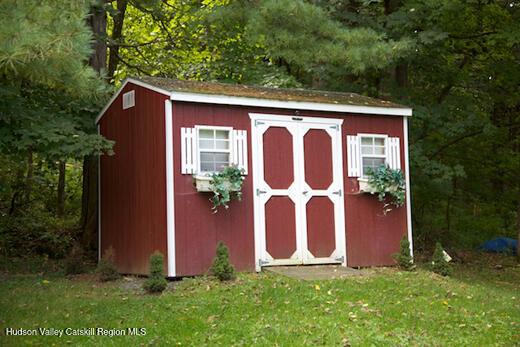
279	94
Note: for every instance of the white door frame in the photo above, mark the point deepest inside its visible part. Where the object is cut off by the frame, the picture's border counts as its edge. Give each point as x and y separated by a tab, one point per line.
334	192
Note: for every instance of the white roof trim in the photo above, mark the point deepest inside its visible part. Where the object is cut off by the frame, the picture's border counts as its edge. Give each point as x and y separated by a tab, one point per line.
297	105
125	82
256	102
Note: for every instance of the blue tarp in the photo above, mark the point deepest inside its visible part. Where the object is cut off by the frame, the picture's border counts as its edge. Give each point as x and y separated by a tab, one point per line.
500	245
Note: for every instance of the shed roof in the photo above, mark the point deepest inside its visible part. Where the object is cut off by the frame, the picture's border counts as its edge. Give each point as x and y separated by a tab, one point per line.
255	96
280	94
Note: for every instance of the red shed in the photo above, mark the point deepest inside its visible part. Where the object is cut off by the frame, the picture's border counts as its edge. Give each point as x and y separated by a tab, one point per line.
305	155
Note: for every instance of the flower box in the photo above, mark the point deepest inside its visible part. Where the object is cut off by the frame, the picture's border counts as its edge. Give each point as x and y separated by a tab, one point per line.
203	183
366	187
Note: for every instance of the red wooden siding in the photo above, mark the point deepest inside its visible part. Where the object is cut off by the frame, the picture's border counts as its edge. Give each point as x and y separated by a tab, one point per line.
320	226
133	186
280	227
317	146
278	147
371	237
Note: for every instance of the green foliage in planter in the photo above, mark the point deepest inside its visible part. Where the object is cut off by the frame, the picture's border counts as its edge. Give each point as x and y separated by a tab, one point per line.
403	258
222	268
156	283
439	264
388	182
106	269
226	186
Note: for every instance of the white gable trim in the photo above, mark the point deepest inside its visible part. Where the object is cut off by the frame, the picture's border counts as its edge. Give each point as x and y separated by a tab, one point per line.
294	105
256	102
125	82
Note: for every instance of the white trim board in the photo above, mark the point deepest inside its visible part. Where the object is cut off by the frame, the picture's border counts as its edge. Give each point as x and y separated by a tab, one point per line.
408	187
257	102
170	207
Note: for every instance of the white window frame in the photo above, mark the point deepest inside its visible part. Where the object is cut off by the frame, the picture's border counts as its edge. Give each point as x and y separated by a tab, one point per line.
199	150
380	156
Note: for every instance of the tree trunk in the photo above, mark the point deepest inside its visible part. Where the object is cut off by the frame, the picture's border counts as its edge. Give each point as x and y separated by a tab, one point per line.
29	177
61	188
89	201
88	221
117	33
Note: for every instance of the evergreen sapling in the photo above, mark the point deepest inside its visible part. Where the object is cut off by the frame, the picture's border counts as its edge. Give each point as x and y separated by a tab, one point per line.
403	259
222	268
440	264
106	268
156	283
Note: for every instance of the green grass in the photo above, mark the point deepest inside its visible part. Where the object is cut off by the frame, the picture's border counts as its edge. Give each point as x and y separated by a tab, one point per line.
478	306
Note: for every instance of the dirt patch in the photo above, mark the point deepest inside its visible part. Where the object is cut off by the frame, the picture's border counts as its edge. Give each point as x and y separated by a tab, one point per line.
318	272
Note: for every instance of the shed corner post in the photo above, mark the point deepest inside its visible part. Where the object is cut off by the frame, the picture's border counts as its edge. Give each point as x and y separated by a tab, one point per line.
170	210
408	187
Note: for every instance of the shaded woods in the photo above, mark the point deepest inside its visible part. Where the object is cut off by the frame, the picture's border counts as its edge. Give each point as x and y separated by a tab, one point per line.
457	63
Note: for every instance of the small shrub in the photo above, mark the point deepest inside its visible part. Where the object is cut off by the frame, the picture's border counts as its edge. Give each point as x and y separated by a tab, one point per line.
403	259
74	262
156	283
106	268
439	264
222	268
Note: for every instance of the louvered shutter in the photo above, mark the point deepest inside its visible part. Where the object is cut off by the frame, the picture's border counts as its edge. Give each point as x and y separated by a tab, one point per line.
188	150
393	153
239	149
353	156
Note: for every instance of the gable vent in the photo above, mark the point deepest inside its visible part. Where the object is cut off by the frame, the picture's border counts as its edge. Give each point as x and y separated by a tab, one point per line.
129	99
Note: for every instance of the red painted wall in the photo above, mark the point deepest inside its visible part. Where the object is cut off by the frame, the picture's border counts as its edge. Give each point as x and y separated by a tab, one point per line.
133	186
371	237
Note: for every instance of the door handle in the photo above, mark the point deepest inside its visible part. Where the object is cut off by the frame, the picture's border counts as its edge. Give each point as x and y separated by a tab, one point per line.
305	192
338	192
258	191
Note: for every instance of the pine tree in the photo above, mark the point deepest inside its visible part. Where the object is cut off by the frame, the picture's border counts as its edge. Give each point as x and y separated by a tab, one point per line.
403	258
222	268
156	282
439	264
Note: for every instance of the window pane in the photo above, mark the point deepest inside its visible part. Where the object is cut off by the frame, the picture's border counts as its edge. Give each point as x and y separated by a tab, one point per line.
222	144
222	134
206	144
206	134
206	156
366	150
379	150
366	140
222	157
207	166
372	163
379	141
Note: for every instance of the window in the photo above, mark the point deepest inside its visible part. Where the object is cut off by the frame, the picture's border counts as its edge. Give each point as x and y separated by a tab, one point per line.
214	148
373	152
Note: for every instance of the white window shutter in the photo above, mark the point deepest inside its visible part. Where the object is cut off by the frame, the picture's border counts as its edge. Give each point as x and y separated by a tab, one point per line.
393	153
188	150
353	156
239	149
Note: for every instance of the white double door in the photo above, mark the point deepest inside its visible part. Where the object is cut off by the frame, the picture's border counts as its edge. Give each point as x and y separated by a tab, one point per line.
298	190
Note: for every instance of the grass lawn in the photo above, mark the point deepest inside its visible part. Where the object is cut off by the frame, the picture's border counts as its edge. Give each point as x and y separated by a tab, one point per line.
478	306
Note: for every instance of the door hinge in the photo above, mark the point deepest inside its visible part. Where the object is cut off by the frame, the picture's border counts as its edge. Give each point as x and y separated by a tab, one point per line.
262	262
257	123
334	127
341	259
258	191
338	192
